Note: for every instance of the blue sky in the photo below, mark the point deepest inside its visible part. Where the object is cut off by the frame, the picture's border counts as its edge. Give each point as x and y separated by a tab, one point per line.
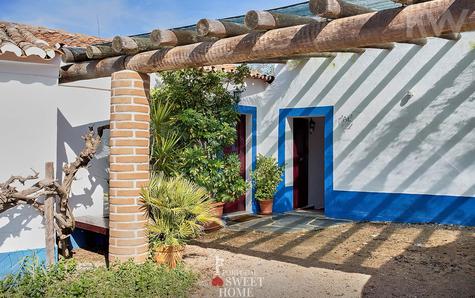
124	17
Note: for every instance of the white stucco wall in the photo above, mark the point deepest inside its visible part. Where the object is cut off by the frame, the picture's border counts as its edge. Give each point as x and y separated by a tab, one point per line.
41	121
411	111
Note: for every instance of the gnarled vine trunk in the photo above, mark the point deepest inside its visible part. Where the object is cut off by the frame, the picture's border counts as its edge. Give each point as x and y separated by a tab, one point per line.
64	221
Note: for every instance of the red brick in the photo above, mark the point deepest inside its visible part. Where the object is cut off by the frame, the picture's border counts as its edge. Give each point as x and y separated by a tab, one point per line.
121	168
141	101
123	83
117	250
141	117
142	134
128	225
121	117
131	159
130	143
122	151
120	100
131	108
130	74
132	242
122	234
132	125
128	192
121	201
132	176
121	184
121	133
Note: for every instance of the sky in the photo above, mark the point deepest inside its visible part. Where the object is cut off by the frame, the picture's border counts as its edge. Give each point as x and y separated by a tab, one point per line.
107	18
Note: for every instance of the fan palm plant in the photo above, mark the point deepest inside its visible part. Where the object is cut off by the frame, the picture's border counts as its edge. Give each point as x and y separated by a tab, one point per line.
177	209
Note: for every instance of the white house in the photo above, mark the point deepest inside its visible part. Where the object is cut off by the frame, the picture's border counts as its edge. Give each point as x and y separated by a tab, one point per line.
43	121
386	135
370	135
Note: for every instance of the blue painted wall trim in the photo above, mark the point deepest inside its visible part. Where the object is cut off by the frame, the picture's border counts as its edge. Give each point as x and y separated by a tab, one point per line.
10	261
370	206
406	208
252	111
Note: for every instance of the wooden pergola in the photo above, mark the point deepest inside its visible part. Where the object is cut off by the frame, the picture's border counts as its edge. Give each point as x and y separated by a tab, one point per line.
263	37
338	27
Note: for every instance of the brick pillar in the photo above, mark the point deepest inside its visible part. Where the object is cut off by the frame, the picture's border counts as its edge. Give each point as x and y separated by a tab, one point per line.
129	165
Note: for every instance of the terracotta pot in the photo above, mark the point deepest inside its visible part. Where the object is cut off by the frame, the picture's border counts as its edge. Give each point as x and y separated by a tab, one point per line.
266	207
169	255
218	213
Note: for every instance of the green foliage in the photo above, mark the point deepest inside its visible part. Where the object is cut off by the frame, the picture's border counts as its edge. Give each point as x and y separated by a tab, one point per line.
165	140
266	177
220	176
177	209
194	119
120	280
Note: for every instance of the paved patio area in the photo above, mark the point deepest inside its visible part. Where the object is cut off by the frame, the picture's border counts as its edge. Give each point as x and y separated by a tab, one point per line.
294	221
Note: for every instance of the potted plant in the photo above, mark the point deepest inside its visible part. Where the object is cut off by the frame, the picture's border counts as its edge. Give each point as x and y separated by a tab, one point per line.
177	210
266	177
219	175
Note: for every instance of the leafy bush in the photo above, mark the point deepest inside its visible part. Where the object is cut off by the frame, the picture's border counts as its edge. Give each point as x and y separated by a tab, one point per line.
266	177
177	209
194	119
120	280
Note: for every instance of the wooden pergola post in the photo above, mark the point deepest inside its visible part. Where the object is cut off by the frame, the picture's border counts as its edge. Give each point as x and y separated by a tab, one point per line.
129	165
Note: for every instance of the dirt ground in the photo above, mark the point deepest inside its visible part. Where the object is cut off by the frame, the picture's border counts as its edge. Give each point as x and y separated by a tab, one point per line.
349	260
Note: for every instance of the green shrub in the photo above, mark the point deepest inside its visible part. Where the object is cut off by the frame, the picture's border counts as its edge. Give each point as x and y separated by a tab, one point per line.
120	280
177	209
194	119
266	177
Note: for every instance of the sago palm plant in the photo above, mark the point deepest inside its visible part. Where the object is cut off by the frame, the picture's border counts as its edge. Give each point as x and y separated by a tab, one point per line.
165	140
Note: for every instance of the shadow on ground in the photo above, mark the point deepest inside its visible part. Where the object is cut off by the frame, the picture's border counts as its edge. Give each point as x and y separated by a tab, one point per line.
402	259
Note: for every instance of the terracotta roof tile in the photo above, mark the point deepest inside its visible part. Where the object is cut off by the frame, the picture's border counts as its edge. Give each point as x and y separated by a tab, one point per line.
27	40
22	42
232	68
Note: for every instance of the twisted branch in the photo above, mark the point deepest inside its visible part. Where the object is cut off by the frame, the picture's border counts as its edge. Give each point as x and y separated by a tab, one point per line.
64	222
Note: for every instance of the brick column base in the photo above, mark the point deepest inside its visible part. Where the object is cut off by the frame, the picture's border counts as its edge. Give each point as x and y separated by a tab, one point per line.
129	165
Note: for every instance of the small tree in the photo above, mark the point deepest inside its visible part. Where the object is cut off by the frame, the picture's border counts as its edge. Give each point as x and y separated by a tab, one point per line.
200	122
266	177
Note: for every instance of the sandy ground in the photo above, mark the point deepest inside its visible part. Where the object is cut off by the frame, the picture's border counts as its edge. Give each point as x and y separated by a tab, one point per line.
248	276
349	260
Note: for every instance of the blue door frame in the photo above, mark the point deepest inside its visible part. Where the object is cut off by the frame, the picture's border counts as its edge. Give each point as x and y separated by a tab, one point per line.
252	112
284	196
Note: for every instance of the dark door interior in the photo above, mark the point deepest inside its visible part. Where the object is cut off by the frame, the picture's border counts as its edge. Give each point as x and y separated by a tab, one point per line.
240	148
300	159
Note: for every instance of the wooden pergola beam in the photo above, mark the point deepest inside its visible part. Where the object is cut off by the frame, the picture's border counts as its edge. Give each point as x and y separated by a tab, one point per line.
359	31
383	46
265	20
334	9
132	45
73	54
450	36
173	38
410	2
219	29
417	41
99	52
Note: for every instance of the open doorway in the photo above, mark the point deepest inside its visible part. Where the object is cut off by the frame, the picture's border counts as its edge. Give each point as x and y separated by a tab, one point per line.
309	162
239	147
